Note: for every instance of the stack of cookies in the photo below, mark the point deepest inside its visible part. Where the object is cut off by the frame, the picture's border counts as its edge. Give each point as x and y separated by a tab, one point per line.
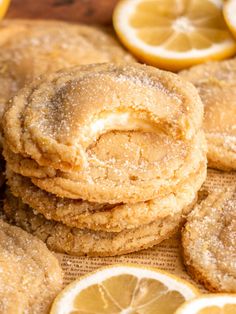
103	159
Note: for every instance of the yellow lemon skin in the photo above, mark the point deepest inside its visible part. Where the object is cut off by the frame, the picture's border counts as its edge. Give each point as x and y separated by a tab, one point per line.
4	4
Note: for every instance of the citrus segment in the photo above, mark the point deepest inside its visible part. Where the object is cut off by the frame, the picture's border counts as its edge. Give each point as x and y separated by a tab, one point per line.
123	283
124	289
174	34
229	10
210	304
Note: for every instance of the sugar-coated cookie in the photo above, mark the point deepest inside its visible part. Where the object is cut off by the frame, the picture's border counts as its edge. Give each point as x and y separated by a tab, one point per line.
30	276
209	242
216	83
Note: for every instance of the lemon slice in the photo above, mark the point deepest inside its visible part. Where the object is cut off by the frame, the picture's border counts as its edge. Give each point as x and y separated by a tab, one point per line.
210	304
124	289
3	7
174	34
229	11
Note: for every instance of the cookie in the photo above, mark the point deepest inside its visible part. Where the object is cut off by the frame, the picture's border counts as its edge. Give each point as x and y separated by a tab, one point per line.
108	130
30	48
74	241
216	83
209	242
112	218
30	275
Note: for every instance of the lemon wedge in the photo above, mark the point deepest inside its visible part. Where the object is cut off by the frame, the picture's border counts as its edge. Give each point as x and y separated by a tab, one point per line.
174	34
210	304
125	289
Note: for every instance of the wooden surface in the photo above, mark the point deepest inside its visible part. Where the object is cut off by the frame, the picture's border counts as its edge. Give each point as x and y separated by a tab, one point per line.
87	11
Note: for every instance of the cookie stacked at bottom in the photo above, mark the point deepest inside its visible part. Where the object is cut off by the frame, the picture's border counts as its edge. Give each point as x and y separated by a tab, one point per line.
104	159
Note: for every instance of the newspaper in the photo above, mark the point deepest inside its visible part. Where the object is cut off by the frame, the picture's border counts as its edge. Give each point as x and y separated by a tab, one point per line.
166	255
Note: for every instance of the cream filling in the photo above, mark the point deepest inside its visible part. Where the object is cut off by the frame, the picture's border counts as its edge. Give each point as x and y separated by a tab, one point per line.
122	122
